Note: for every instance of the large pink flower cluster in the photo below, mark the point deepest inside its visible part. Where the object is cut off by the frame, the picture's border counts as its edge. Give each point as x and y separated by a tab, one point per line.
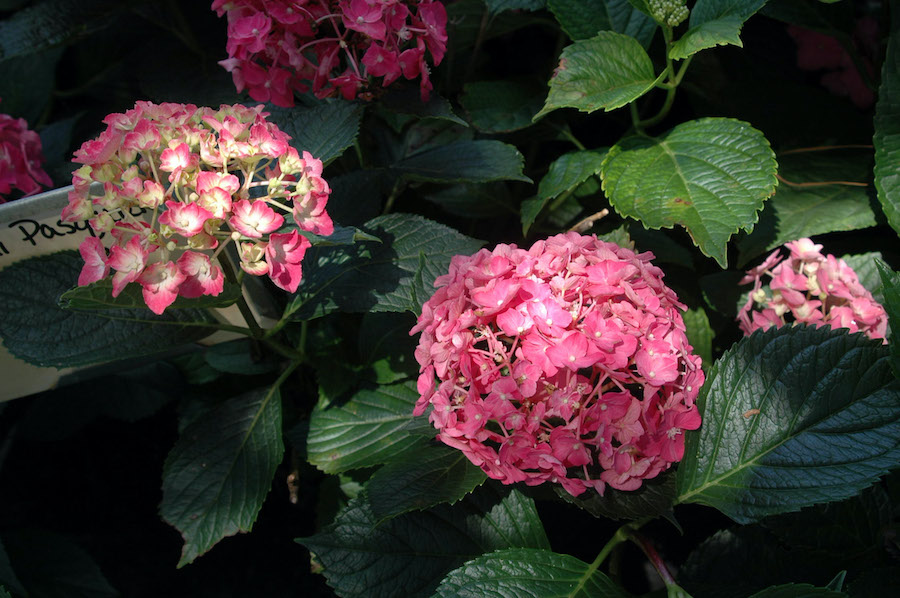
181	182
20	159
276	47
811	288
566	363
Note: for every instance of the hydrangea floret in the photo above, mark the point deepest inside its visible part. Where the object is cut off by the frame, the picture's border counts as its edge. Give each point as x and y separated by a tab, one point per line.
566	363
810	288
20	159
277	47
179	184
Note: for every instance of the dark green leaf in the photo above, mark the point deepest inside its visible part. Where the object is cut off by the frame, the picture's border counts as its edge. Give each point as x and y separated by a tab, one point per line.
409	101
50	23
52	566
798	590
792	417
407	556
580	19
36	330
382	276
710	175
630	20
239	357
356	196
501	106
565	174
714	23
476	161
887	127
795	212
373	427
387	347
324	130
98	296
472	200
27	82
528	572
891	293
219	472
699	334
607	71
655	497
496	6
419	480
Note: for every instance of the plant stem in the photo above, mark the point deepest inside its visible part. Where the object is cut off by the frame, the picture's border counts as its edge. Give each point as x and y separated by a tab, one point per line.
673	80
395	191
567	133
255	331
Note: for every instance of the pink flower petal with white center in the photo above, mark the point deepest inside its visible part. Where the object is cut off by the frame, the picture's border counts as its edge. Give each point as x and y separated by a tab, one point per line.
175	157
201	276
253	258
656	363
94	256
209	179
128	261
217	201
160	282
254	219
185	219
284	254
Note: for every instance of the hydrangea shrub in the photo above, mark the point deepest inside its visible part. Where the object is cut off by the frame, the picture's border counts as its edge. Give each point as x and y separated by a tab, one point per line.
20	159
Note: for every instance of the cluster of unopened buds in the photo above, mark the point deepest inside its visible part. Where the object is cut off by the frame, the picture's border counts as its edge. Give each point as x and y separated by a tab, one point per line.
810	288
179	184
277	47
566	363
20	159
668	12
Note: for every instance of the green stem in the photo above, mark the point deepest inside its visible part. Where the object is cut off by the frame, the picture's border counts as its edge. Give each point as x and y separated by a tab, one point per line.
672	588
620	536
673	80
479	40
392	198
567	133
255	331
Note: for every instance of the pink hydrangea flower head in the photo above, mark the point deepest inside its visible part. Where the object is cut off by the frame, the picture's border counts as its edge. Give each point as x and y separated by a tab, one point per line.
181	184
565	363
20	159
334	47
811	288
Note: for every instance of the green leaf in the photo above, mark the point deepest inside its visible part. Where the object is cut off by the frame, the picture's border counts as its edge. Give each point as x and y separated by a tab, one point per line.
501	106
472	200
477	161
655	497
407	556
98	296
387	347
419	480
714	23
887	127
890	290
408	101
36	330
356	196
795	212
498	6
26	84
373	427
798	590
324	130
382	276
580	19
565	174
239	357
219	472
52	566
52	23
607	71
792	417
630	20
521	572
700	334
710	176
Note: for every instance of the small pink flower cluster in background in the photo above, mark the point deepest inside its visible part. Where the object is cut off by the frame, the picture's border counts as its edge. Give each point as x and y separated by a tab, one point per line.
20	159
565	363
277	47
181	181
817	51
809	288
